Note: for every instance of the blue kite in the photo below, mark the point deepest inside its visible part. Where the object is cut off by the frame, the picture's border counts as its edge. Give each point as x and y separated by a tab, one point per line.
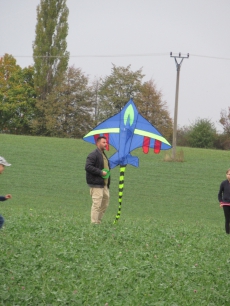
127	131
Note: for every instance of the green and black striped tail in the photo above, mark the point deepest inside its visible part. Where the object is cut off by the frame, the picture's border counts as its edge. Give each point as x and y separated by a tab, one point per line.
121	187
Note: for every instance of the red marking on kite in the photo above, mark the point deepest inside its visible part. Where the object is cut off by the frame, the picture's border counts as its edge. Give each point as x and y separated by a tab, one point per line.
107	139
157	146
95	137
145	146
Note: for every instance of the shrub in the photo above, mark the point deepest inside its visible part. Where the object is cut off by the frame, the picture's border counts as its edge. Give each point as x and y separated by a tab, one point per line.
182	136
202	134
222	141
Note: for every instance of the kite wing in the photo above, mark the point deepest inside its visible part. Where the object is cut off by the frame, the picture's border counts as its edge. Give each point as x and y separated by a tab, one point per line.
109	128
147	136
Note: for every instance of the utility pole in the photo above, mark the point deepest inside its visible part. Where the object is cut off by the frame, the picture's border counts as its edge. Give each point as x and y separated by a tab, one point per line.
178	65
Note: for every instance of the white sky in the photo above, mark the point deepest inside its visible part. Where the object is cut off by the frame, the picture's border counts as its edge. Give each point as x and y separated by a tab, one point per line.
141	27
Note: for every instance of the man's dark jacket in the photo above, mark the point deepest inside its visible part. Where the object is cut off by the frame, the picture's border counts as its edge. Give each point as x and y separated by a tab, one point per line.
93	168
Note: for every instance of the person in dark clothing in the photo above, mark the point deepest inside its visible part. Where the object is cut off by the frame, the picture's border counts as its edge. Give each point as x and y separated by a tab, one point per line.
96	162
3	163
224	199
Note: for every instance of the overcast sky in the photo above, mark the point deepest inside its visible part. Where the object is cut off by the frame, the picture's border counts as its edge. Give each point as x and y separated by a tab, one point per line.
141	33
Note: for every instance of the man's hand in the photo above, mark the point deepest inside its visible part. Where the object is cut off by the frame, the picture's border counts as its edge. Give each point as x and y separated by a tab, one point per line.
104	173
8	196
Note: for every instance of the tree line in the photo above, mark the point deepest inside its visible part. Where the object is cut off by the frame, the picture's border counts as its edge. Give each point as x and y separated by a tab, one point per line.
74	105
52	99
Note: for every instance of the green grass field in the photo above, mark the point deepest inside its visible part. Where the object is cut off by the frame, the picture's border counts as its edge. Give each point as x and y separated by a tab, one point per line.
168	249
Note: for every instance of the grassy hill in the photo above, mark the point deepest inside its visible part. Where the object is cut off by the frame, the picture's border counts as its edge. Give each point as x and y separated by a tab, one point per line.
169	247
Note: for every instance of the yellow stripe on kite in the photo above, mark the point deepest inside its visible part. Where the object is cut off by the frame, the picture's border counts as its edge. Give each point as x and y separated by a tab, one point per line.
103	131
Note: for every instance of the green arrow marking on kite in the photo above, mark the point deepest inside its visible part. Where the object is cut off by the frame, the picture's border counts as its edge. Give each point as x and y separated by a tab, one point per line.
129	115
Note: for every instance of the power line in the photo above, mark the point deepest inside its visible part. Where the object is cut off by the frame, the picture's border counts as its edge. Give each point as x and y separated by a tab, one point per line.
117	55
110	55
207	56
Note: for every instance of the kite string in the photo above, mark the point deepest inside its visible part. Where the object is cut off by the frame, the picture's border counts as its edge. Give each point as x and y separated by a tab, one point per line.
121	187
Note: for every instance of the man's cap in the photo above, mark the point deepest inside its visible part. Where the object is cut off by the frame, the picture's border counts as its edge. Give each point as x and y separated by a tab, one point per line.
4	162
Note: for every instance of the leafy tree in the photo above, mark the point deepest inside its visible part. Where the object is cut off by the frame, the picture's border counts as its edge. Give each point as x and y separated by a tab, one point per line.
95	87
225	120
49	51
49	47
202	134
117	88
223	140
154	109
68	107
8	66
17	96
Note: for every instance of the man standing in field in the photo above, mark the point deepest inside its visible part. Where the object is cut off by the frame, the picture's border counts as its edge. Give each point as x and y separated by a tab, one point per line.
3	163
96	162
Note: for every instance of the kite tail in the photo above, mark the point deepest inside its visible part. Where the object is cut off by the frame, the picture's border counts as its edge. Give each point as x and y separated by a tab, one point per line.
121	187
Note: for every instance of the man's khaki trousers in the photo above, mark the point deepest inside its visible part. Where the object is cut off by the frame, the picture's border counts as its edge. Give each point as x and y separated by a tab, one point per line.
100	201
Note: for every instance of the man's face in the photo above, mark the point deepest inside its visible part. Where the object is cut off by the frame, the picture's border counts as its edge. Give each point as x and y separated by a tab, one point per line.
228	176
102	143
2	168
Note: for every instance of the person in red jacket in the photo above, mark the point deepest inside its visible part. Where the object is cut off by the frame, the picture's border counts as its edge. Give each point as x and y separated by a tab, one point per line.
224	199
3	163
